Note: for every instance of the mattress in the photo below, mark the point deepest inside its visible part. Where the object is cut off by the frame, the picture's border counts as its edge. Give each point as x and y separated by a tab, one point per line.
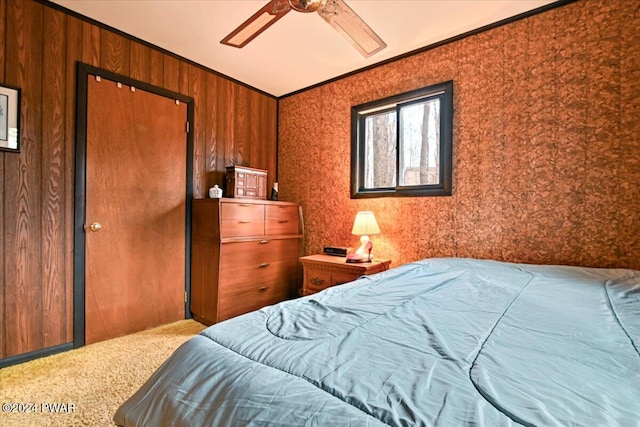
440	342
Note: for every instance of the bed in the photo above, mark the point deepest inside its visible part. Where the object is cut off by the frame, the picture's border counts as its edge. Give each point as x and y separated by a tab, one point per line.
440	342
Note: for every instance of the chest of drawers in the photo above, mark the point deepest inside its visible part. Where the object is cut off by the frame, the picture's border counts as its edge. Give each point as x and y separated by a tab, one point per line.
244	256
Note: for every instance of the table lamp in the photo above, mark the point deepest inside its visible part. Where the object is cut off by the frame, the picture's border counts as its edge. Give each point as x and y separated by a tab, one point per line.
364	225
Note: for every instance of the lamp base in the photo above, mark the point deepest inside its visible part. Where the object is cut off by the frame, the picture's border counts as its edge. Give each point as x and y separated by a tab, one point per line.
363	249
363	254
358	258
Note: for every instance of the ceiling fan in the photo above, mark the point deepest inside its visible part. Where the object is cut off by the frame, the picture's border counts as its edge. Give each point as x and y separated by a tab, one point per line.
340	16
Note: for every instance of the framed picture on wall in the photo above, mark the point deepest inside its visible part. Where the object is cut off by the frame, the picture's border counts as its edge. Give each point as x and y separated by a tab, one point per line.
9	118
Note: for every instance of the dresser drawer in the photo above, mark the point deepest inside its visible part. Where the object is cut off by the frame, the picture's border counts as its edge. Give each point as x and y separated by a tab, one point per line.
252	299
316	281
265	286
261	282
247	263
338	278
281	220
247	278
241	220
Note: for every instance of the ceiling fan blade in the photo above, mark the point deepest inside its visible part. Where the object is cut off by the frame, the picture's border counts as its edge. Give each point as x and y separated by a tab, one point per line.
259	22
344	20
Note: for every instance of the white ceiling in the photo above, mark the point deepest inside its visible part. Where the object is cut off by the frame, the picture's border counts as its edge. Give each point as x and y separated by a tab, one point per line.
301	49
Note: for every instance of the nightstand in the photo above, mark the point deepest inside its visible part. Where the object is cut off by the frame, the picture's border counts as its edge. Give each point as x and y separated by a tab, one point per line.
323	271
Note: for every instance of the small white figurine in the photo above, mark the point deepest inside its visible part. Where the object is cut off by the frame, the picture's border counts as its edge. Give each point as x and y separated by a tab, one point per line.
215	192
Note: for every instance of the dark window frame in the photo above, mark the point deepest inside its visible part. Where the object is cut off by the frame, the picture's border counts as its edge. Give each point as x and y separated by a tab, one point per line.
359	113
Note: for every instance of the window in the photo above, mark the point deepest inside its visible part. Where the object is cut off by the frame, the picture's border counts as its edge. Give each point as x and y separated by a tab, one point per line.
401	145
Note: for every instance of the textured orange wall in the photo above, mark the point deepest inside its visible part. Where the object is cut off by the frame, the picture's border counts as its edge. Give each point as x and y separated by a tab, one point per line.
546	145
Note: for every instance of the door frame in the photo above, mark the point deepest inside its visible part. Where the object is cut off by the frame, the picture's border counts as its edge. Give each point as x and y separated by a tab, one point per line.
79	258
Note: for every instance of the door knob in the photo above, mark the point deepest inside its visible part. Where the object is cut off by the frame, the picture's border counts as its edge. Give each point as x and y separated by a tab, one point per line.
96	226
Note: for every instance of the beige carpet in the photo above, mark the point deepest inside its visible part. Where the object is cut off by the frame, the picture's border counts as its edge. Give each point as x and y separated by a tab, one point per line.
93	380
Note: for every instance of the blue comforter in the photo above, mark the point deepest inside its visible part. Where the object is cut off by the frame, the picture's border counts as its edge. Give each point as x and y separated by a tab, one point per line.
441	342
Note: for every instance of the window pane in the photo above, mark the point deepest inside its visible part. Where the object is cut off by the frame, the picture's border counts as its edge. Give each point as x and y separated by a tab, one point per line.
380	150
420	142
401	145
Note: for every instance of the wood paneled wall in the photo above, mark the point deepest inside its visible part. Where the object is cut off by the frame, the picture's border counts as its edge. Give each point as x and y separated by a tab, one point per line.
234	124
546	145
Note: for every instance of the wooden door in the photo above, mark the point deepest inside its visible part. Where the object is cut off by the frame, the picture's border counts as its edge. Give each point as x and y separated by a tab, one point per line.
135	210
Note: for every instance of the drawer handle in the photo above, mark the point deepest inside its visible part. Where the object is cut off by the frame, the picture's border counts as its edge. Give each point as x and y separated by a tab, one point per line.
264	265
263	288
244	221
283	221
264	242
244	205
317	281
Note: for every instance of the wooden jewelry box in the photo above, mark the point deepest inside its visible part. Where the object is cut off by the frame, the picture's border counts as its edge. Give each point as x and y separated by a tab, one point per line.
244	182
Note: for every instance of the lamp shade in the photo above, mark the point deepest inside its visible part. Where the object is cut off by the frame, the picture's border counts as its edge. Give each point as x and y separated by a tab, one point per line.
365	224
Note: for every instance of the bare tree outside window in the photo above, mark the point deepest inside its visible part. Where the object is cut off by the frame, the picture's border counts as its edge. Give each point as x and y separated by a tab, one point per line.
381	141
401	145
420	162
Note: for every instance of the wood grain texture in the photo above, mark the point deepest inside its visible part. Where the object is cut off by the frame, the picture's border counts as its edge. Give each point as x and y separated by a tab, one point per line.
262	129
198	92
140	62
204	263
184	77
53	180
254	130
23	234
156	68
3	20
213	165
225	122
269	138
241	123
135	187
114	52
546	145
170	68
90	44
39	55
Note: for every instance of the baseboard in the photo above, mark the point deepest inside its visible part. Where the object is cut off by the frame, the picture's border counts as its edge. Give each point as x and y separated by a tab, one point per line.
21	358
